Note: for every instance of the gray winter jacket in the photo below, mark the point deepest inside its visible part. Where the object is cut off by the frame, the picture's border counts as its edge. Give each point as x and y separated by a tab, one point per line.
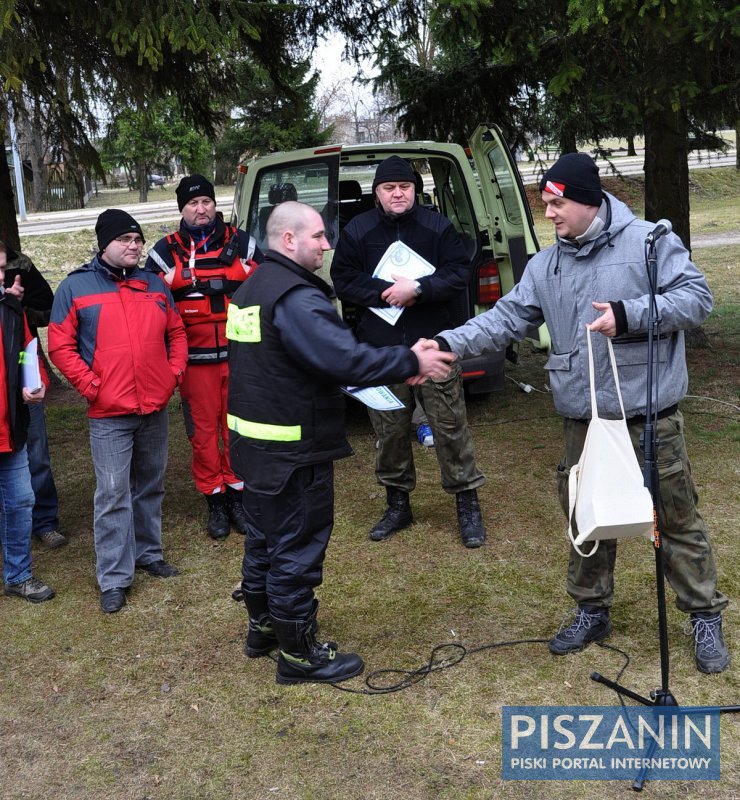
558	287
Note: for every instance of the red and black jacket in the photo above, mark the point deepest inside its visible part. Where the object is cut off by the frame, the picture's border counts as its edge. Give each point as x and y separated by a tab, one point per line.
119	341
207	272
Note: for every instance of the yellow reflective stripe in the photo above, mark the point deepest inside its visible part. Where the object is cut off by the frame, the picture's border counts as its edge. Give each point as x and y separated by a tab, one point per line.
243	324
260	430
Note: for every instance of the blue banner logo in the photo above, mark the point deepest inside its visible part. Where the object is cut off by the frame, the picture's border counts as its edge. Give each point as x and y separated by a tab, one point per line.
610	743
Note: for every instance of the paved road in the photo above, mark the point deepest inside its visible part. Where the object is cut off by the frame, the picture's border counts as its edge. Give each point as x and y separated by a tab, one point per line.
150	213
82	218
714	239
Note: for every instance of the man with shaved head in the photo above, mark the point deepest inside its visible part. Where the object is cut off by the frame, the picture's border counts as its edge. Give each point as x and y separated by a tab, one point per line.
289	352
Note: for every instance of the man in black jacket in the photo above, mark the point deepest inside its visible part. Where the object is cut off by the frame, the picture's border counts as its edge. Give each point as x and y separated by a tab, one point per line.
426	310
288	353
30	288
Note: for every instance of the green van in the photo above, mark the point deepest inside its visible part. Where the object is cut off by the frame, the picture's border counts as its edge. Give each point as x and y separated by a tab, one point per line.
479	190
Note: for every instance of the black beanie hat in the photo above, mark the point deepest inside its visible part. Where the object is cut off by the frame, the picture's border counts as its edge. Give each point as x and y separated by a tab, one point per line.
576	177
393	169
193	186
112	223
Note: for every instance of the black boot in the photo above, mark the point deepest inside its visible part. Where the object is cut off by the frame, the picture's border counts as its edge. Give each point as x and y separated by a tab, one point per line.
397	516
261	637
469	519
218	516
235	510
302	659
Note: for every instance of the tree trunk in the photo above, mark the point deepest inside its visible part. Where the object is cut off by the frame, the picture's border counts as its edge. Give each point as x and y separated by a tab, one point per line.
568	142
143	181
8	221
36	147
631	146
667	170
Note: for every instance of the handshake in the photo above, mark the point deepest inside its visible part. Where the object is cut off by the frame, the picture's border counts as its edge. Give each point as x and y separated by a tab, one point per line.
433	362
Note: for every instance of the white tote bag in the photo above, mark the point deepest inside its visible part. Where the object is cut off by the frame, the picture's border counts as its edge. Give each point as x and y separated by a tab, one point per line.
606	489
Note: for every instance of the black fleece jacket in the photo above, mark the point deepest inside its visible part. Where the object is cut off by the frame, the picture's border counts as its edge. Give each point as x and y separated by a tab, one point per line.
361	246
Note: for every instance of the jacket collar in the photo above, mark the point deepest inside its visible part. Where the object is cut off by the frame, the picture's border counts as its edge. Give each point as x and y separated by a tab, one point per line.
307	275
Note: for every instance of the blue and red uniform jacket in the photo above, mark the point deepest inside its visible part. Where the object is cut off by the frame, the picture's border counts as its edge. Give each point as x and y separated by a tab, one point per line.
119	341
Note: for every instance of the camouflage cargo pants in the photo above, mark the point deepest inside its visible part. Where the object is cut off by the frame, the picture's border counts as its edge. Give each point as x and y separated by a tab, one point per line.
444	404
687	551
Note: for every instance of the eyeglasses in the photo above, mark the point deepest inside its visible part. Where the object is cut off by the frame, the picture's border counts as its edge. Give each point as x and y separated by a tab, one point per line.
127	242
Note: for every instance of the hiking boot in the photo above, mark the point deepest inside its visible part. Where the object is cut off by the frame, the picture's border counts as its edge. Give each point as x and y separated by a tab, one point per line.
591	624
424	435
51	540
33	590
218	515
469	519
261	638
397	516
303	659
710	648
235	510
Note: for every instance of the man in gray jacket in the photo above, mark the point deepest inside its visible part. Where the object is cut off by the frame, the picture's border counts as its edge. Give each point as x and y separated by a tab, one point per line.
595	275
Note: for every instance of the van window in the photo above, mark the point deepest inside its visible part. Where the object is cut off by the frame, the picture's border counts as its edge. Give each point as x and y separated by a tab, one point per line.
443	191
508	189
311	182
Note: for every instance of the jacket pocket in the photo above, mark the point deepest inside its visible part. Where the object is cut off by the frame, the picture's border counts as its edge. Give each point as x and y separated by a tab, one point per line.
628	353
558	361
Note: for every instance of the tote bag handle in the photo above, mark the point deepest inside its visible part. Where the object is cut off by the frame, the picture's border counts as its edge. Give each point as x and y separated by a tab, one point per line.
592	375
575	469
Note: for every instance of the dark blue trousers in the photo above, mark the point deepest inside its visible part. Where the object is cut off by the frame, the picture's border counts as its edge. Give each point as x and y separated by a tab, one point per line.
286	542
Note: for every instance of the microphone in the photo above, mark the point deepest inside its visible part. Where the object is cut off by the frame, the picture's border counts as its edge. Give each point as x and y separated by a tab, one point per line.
661	229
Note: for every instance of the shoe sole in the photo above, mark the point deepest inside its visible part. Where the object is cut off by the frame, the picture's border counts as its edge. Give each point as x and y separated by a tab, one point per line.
42	599
253	652
599	638
286	681
473	543
711	670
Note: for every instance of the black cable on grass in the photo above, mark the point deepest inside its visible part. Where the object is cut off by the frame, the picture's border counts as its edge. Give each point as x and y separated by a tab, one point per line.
435	664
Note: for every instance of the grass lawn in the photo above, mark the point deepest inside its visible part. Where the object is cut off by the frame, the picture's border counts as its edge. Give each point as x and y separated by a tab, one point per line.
159	701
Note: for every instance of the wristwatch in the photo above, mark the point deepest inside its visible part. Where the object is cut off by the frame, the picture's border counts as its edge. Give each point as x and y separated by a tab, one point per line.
417	289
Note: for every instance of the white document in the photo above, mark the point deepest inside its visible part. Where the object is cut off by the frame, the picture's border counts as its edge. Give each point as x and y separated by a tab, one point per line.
30	372
380	398
400	260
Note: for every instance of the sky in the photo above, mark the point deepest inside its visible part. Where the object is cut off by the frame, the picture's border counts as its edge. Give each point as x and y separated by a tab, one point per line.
327	60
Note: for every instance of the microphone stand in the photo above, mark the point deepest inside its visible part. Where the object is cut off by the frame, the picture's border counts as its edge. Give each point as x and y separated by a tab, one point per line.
648	444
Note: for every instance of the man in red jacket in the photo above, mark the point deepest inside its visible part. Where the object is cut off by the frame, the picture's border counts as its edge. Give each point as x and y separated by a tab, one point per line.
116	336
204	262
16	493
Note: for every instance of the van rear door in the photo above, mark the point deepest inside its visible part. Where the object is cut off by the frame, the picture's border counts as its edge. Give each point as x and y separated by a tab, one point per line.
514	238
310	176
504	196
